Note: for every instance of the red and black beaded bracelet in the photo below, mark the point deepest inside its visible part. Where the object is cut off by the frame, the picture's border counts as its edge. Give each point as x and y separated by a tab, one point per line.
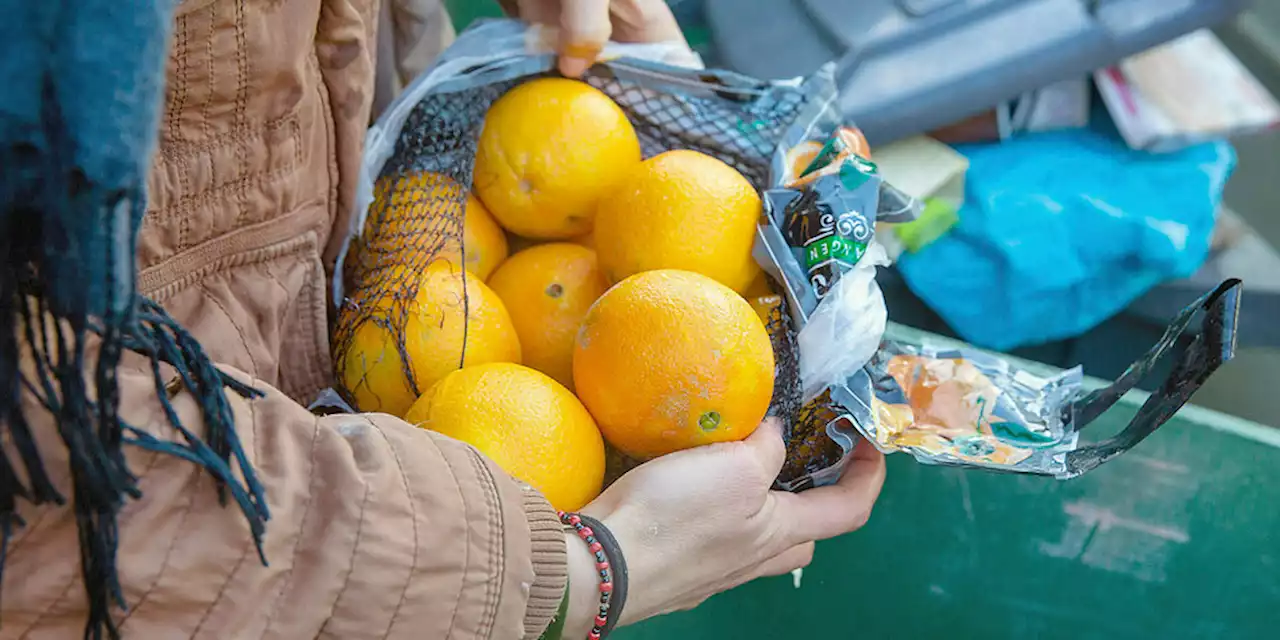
611	566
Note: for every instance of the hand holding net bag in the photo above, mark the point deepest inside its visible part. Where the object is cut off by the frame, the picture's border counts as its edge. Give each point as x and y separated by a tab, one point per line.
433	128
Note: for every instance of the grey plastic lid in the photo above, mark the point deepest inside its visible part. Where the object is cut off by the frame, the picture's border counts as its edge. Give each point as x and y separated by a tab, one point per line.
910	66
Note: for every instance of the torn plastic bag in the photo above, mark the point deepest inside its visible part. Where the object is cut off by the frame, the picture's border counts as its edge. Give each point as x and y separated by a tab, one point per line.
964	407
817	242
959	407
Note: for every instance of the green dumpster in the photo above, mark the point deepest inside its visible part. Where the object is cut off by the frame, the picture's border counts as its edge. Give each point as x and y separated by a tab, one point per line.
1175	539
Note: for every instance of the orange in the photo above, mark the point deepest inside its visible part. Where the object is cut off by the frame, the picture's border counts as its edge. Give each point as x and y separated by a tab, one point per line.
680	210
766	306
549	150
372	370
527	423
483	240
520	243
759	287
416	215
587	239
667	360
547	289
443	320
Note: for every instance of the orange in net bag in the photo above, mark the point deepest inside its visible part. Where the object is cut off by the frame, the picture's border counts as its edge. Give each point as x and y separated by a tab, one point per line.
429	165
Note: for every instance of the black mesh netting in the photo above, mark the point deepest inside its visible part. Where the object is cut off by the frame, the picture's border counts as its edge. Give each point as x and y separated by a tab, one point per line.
418	213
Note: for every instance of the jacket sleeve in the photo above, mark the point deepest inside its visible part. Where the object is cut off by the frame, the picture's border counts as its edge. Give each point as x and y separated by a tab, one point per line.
378	530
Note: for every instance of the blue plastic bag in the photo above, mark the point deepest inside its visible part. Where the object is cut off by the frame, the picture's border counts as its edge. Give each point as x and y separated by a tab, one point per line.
1060	231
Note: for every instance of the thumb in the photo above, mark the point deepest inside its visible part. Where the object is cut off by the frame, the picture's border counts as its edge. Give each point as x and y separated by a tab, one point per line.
768	446
584	30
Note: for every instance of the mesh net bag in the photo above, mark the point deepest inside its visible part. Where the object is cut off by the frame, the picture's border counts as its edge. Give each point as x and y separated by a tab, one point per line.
418	171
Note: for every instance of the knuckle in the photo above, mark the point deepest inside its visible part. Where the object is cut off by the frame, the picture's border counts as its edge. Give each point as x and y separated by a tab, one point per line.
745	460
762	475
778	543
860	519
769	461
804	558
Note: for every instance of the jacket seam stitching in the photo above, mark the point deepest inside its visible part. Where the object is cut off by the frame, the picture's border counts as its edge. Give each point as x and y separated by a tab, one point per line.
210	70
466	547
320	367
189	492
27	532
190	6
184	224
331	127
302	527
204	290
186	149
413	513
496	543
304	302
244	555
351	566
232	255
222	591
289	309
26	633
187	203
319	351
56	601
181	87
240	119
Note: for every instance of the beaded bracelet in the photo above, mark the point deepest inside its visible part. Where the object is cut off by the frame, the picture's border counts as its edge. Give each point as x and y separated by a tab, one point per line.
611	566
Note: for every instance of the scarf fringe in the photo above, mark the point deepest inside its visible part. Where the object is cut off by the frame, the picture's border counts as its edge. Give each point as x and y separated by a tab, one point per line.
78	120
94	433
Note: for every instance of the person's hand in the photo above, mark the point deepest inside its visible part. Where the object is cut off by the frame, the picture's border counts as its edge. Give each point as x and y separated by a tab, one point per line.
698	522
586	25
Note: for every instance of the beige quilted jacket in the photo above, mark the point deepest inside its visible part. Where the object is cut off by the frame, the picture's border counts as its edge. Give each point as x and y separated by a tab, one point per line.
378	529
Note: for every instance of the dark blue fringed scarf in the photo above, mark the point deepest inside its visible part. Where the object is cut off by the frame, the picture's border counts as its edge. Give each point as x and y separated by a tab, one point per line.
80	91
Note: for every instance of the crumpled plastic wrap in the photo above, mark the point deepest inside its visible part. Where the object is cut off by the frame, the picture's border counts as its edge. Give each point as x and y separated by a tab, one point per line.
941	405
962	406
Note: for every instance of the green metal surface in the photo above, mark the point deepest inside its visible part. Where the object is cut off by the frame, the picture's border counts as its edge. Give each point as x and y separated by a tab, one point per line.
1175	539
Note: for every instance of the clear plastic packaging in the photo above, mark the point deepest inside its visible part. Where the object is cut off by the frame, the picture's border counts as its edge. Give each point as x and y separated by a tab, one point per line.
825	204
817	242
963	406
843	333
954	406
